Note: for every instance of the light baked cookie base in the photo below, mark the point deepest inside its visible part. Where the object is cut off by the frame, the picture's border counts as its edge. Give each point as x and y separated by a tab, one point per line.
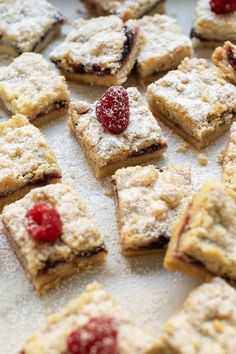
8	49
210	44
107	80
170	120
46	118
108	170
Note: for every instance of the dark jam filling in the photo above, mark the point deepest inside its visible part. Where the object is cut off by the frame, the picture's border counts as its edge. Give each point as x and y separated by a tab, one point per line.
150	149
160	243
231	57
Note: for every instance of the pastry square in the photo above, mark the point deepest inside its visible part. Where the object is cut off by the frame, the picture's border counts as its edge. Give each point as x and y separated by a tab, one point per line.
195	101
210	29
225	59
164	46
229	161
203	240
126	9
148	201
27	26
205	324
30	87
98	51
26	160
78	246
106	152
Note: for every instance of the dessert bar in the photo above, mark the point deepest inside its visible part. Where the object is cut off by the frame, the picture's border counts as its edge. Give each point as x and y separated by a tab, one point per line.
213	26
126	9
140	141
148	202
164	46
30	87
26	160
53	235
229	160
205	324
203	240
27	26
195	101
99	57
225	59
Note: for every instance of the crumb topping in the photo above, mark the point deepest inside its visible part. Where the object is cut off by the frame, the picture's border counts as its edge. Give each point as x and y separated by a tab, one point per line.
229	159
225	59
202	159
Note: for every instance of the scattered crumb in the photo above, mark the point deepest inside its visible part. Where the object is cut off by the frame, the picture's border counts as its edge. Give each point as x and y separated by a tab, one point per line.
202	159
221	158
109	193
183	147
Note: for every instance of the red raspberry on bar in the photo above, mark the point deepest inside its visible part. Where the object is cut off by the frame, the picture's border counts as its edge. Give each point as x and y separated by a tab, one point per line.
223	6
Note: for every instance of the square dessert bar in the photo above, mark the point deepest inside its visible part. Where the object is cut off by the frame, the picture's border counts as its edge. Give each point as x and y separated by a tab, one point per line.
98	51
107	152
195	101
27	26
205	324
211	29
229	160
49	255
204	239
164	46
126	9
30	87
26	160
225	59
148	202
93	315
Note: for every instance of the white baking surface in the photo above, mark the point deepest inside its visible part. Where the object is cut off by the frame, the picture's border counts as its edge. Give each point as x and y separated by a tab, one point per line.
141	285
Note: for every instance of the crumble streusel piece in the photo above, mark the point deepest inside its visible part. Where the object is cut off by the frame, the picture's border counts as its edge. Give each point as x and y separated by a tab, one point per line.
126	9
225	59
148	202
229	159
99	51
27	26
106	152
163	48
30	87
211	29
57	254
89	313
26	160
195	101
203	240
205	324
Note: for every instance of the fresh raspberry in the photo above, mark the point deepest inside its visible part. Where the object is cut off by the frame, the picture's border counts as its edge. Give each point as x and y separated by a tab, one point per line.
44	222
97	336
223	6
112	109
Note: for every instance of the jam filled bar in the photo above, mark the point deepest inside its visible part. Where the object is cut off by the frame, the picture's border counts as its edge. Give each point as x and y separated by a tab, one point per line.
26	160
225	59
195	101
229	160
30	87
148	202
52	234
99	51
214	24
205	324
92	323
117	131
203	240
164	46
126	9
27	26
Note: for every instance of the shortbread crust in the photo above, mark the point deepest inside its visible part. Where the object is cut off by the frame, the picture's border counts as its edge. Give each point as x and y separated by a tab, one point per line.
148	202
30	87
223	58
163	48
229	159
103	57
92	303
27	26
211	29
126	9
195	101
25	159
203	240
106	152
205	324
80	245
